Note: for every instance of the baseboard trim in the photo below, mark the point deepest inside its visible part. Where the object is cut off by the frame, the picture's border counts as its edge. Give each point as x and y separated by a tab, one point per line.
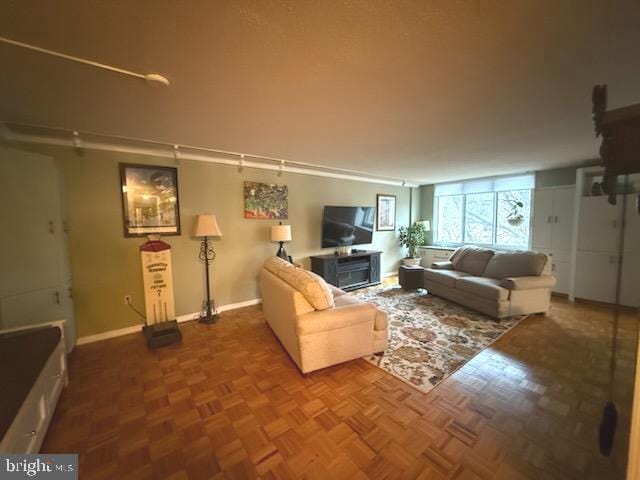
389	274
180	318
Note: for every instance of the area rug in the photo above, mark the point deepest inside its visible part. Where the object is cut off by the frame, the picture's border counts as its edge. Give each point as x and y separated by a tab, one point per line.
429	337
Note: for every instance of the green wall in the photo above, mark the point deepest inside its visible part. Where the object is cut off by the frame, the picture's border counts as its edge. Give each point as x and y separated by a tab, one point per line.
106	265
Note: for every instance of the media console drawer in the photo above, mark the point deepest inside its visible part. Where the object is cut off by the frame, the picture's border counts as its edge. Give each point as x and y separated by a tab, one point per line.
348	272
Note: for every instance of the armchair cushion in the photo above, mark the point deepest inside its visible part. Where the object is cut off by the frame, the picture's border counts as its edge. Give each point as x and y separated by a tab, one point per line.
515	264
335	318
445	277
529	282
447	265
470	259
483	287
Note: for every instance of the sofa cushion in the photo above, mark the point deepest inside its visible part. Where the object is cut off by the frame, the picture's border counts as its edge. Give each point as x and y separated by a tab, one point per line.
471	260
276	264
515	264
445	277
487	288
310	285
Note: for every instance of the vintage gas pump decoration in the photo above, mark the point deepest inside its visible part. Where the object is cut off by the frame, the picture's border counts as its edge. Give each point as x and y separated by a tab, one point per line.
161	327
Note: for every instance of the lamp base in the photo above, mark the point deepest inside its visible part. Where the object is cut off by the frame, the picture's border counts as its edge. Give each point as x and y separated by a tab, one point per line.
282	253
209	313
209	319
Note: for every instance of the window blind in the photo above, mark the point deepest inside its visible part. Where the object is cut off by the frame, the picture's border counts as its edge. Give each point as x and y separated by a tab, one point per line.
483	185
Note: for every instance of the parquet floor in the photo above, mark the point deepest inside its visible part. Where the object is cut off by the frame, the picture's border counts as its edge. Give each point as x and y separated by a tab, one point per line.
229	403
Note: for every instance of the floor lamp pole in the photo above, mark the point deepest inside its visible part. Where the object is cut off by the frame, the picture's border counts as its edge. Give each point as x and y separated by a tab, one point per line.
207	254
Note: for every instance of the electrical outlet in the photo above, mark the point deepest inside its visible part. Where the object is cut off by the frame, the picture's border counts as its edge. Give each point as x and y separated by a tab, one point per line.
127	299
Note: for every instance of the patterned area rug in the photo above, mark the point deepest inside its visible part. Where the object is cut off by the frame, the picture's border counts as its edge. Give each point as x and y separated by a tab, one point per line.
429	337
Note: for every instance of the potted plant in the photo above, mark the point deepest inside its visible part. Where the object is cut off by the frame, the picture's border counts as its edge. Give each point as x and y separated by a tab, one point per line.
412	237
515	217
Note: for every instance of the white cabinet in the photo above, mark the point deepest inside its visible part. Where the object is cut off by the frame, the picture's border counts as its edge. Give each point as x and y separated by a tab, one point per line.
552	229
599	230
630	285
632	225
599	224
563	213
37	288
562	272
596	276
542	219
553	218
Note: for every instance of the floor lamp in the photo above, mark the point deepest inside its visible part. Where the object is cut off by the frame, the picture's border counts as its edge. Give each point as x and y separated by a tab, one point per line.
207	226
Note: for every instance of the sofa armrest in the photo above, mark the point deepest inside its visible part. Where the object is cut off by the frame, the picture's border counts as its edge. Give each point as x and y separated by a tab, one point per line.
335	290
447	265
529	283
335	318
381	320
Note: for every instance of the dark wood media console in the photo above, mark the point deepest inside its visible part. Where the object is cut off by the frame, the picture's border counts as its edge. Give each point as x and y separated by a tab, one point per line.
349	272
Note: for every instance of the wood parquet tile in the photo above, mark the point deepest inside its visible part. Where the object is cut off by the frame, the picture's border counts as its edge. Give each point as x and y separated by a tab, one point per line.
228	403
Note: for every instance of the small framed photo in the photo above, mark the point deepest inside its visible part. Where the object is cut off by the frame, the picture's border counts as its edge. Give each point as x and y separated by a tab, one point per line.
386	212
150	202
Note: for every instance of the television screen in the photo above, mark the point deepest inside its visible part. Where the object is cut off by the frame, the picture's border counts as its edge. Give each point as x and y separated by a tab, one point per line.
344	226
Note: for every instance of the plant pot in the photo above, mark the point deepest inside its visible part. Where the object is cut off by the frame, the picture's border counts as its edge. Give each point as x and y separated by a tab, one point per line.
515	221
411	261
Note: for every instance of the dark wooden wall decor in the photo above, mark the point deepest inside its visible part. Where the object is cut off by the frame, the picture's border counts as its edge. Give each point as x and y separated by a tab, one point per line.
620	131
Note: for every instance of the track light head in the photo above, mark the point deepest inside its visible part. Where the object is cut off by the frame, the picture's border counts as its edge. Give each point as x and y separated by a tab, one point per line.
155	79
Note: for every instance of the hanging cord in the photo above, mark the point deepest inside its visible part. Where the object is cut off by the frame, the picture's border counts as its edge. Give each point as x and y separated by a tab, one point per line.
137	311
610	412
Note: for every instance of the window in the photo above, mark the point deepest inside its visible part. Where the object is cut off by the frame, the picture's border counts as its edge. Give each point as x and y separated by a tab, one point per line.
485	212
450	214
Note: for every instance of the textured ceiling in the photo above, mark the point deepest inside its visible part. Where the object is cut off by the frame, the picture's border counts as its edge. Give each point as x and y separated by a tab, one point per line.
423	90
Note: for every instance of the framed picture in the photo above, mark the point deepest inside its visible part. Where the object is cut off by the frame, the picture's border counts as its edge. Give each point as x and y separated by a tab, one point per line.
150	202
266	201
386	212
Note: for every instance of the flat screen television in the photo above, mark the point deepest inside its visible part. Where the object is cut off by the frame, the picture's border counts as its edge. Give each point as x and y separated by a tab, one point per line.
345	226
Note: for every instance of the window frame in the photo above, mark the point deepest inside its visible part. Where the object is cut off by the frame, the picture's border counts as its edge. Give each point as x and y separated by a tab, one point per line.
439	243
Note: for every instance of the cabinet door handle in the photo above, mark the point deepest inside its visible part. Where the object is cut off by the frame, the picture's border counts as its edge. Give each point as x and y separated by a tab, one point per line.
549	219
555	219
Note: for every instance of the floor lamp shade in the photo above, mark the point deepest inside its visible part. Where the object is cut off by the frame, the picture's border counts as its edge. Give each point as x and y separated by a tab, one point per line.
426	224
207	226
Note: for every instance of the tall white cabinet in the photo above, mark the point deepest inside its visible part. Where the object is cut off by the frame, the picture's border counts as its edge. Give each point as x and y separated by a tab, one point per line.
552	230
596	249
33	252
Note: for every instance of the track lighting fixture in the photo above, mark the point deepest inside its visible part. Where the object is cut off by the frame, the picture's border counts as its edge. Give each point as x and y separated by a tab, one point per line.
77	141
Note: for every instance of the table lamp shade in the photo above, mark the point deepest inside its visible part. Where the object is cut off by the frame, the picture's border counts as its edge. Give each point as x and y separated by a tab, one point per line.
426	224
281	233
207	226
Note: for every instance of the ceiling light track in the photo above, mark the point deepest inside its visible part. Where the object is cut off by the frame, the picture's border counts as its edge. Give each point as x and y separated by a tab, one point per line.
151	78
23	132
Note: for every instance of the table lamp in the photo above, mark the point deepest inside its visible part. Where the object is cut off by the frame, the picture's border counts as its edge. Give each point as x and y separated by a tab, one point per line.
281	233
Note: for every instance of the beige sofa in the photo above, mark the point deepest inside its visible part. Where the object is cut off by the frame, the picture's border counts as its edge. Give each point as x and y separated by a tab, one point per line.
318	324
497	283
